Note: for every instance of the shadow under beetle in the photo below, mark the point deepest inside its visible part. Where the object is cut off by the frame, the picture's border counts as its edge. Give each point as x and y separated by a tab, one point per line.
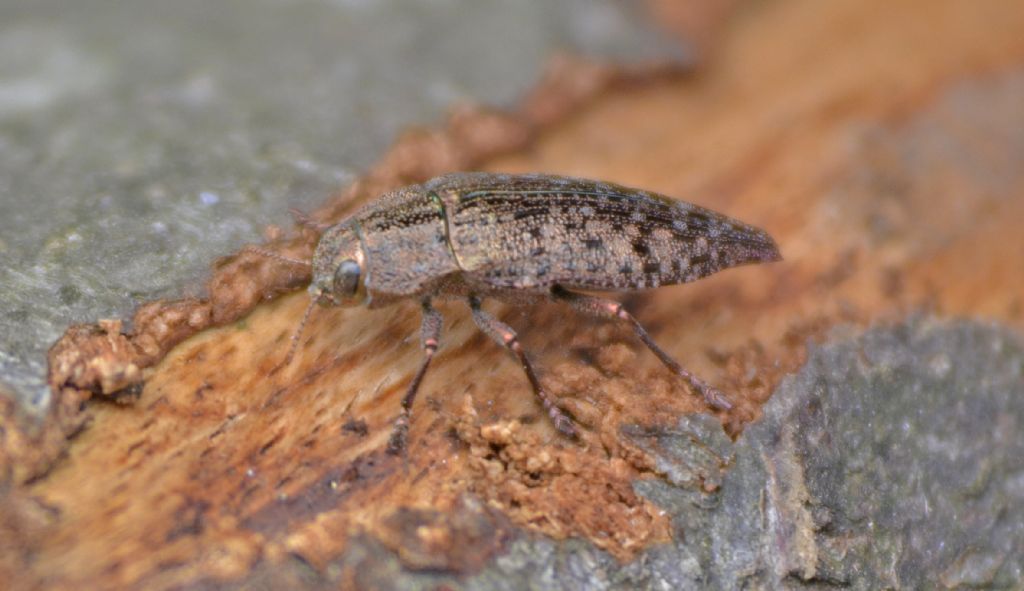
517	238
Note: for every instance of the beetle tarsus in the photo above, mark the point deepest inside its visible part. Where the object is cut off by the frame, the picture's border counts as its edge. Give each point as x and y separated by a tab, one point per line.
399	436
604	308
430	334
503	334
563	423
713	396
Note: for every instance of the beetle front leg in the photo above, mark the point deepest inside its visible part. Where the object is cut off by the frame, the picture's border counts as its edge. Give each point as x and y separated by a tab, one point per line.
595	306
506	337
430	334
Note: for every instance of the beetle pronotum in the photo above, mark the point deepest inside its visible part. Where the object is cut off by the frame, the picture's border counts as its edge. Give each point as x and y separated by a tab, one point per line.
516	238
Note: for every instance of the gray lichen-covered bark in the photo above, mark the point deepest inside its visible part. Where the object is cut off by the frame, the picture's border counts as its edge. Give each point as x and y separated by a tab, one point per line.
893	459
141	140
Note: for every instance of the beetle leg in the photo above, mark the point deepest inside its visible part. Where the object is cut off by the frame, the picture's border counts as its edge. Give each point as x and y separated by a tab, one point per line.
595	306
506	337
430	334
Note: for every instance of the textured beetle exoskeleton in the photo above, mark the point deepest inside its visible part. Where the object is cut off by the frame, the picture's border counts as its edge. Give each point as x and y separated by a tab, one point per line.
518	237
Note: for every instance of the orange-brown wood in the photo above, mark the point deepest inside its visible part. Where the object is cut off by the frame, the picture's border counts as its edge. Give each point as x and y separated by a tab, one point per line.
877	141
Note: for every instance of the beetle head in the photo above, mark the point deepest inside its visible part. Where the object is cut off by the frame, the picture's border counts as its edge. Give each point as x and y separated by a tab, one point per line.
339	268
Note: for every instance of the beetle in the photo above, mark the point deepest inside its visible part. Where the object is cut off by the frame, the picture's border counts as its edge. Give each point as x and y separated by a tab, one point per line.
519	238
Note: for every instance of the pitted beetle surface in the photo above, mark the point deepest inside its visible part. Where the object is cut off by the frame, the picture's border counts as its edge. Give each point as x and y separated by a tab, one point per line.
518	237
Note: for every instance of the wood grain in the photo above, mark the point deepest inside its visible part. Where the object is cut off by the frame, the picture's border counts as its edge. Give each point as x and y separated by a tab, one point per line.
880	143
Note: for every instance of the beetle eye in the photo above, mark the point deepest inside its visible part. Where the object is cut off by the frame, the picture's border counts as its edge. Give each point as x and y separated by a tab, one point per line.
346	278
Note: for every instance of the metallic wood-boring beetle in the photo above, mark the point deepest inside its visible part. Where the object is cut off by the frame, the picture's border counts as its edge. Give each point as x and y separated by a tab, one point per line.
518	238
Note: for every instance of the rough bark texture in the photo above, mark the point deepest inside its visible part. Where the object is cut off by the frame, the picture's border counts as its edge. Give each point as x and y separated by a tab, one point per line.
880	143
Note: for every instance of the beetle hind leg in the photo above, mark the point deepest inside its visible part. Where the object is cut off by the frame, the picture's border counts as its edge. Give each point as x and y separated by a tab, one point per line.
605	308
506	337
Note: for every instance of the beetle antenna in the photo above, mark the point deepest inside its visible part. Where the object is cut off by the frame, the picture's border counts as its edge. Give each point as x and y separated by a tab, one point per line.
298	331
306	221
276	256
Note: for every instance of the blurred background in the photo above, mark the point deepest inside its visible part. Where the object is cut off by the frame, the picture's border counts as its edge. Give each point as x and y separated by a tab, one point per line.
140	140
878	371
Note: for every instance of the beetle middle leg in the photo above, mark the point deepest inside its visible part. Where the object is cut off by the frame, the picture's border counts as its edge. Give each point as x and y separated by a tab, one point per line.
596	306
506	337
430	335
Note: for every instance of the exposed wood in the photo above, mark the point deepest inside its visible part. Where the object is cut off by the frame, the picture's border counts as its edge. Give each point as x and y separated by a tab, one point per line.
879	143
